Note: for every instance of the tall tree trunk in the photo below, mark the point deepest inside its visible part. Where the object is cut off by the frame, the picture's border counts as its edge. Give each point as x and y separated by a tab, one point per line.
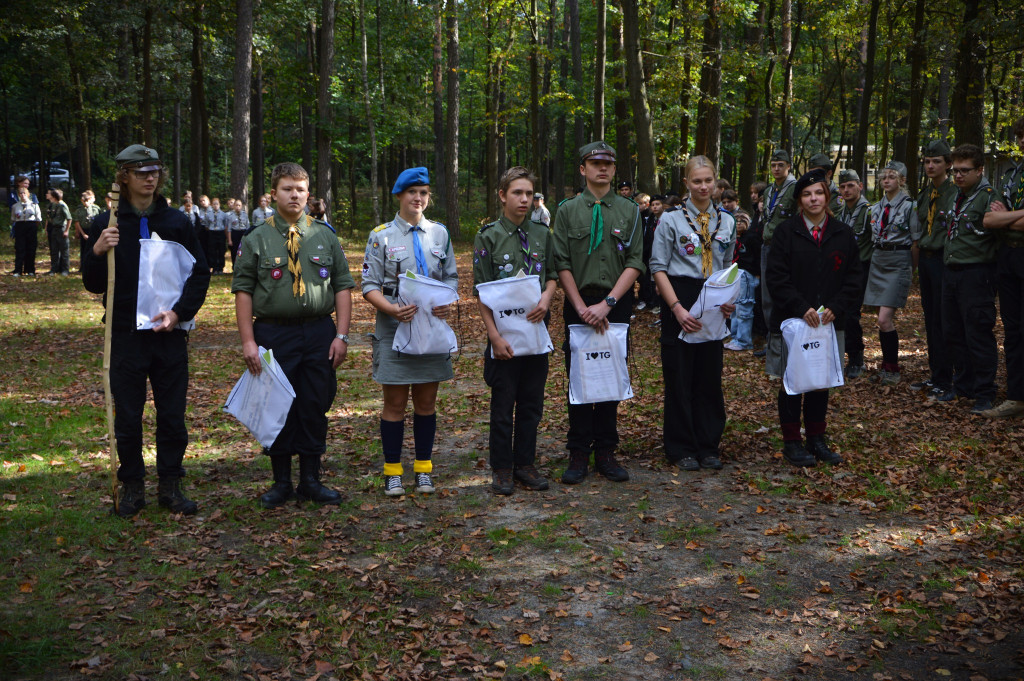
751	112
534	87
147	76
709	109
490	118
544	130
786	55
601	46
259	161
324	118
81	125
647	177
199	139
176	144
623	123
451	166
374	188
240	120
306	123
558	166
572	15
353	196
969	87
438	80
684	103
860	148
916	58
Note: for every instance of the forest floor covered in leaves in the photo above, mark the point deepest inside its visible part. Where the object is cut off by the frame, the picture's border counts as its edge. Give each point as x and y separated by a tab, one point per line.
905	562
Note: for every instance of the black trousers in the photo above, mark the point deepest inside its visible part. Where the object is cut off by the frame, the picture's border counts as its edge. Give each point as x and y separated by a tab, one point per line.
163	359
968	323
218	241
82	245
26	241
593	427
60	257
694	403
517	403
236	239
929	272
1010	279
302	351
854	331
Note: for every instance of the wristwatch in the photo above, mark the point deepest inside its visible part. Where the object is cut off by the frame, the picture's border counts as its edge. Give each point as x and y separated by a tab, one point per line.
611	301
343	337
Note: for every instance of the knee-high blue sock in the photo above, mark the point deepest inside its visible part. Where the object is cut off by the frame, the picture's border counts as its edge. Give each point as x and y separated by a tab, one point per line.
391	434
424	426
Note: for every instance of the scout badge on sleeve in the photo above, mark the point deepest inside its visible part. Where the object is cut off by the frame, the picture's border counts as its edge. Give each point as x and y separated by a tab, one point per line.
598	371
511	300
720	288
424	334
813	361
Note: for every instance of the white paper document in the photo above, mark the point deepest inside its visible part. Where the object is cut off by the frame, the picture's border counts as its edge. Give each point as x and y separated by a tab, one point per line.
425	334
598	371
164	266
261	403
722	287
510	300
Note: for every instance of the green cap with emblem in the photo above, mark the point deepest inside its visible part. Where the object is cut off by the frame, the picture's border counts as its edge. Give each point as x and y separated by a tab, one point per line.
896	166
782	155
848	175
820	160
139	157
599	150
936	148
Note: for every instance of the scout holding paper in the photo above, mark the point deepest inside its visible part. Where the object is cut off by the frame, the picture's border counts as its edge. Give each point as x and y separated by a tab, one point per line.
409	242
598	252
290	274
159	353
514	244
689	246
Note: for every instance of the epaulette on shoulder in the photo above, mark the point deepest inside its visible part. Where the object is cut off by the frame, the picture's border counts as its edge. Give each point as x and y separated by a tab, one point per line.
326	224
568	198
380	228
538	222
486	226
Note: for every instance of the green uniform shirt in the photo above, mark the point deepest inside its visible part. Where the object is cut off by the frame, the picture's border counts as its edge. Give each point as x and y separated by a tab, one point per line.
1011	190
967	242
57	214
778	206
261	269
933	236
596	270
859	218
498	251
85	214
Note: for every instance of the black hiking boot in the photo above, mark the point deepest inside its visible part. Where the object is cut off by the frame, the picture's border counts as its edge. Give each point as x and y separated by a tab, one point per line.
607	466
131	499
309	487
579	466
281	491
170	496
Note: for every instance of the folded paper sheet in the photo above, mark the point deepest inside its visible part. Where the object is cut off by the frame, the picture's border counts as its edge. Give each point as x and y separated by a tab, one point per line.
261	403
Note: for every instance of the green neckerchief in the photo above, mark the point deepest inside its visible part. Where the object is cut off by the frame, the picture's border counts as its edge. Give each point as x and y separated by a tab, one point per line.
596	227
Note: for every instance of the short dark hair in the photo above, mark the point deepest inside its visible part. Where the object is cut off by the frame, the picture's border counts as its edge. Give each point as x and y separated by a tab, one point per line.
730	195
969	152
515	173
292	170
317	207
57	194
1018	127
659	197
759	187
722	183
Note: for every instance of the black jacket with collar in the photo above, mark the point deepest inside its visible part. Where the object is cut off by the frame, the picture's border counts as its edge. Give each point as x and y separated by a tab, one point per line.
802	274
171	225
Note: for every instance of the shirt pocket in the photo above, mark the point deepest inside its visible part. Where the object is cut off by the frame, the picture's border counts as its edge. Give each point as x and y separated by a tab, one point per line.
320	267
273	271
396	262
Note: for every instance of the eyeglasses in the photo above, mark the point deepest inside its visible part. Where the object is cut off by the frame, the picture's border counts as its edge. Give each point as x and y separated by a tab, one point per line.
145	174
962	171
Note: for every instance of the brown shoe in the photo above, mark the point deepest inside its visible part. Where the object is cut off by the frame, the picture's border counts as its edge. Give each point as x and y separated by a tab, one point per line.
530	478
501	481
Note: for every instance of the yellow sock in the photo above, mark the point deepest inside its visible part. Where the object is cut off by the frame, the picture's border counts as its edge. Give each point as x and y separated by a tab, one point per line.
393	469
419	466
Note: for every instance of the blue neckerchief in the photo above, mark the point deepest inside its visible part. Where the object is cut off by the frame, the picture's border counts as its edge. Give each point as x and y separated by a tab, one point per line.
417	249
144	227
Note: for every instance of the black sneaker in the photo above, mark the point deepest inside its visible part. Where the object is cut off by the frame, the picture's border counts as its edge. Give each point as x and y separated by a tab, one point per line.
501	481
712	462
687	463
393	486
424	485
793	451
531	478
170	496
131	499
579	467
817	446
854	371
922	385
607	466
942	394
981	405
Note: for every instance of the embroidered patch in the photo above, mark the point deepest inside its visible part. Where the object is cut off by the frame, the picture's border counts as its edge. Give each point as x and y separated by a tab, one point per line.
324	273
376	244
618	246
396	249
275	274
690	249
537	267
277	261
366	267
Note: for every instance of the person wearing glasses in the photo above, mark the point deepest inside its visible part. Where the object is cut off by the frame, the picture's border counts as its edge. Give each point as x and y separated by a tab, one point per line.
160	354
968	282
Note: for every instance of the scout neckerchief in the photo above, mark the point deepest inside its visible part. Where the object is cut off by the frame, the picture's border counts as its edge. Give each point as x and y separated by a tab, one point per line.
856	212
932	205
294	264
900	198
596	227
961	206
417	250
706	236
776	191
524	243
1017	202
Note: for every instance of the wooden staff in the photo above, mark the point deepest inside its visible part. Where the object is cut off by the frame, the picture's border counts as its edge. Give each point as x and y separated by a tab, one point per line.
115	192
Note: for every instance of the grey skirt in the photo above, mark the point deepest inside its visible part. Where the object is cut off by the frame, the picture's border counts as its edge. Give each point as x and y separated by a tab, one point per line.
396	368
889	278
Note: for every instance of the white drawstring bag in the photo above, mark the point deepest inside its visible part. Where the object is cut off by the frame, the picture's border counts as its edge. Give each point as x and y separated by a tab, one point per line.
511	300
813	361
164	266
424	334
722	287
598	371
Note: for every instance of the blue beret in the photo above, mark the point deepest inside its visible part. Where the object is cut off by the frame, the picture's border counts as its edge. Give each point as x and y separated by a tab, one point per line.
410	177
